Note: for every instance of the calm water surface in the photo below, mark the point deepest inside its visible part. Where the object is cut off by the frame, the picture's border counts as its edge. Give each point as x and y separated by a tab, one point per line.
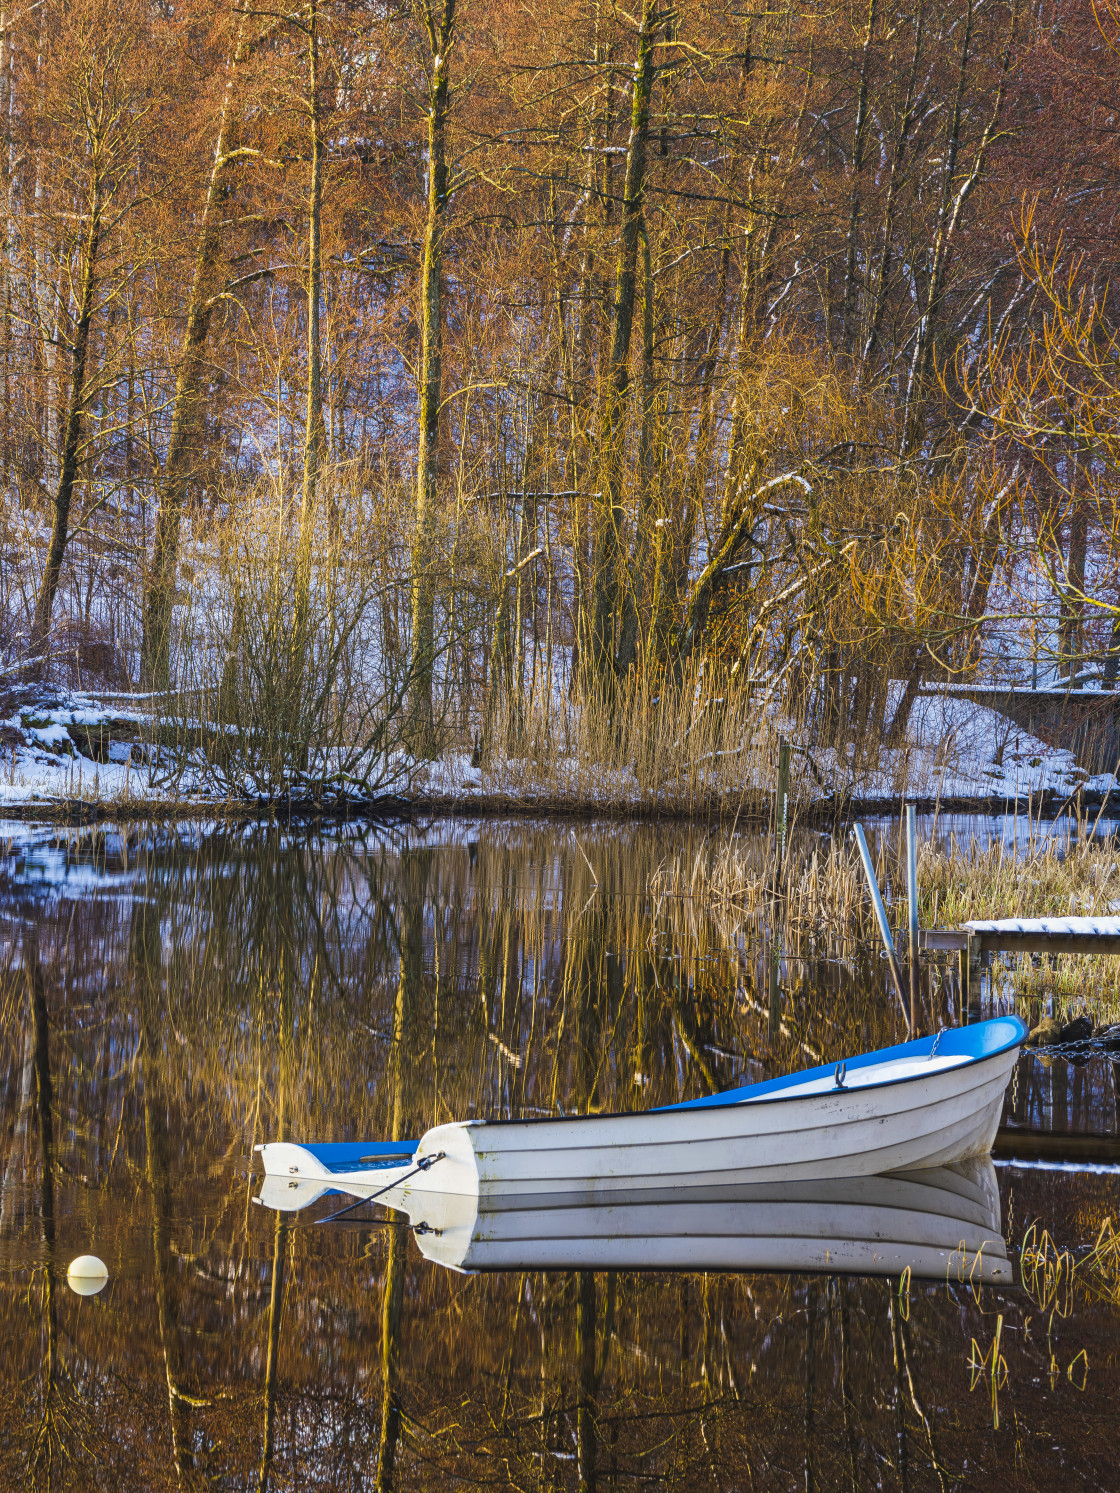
171	997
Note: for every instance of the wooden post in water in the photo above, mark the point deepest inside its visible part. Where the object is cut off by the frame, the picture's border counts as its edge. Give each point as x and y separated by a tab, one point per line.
912	899
968	968
780	821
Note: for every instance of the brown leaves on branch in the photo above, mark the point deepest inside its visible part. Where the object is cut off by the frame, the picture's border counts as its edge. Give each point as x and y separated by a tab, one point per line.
670	290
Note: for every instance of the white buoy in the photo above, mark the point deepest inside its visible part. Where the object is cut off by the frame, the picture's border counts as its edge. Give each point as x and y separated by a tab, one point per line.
87	1275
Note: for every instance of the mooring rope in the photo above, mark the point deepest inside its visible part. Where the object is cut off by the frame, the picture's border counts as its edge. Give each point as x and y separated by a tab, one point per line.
421	1166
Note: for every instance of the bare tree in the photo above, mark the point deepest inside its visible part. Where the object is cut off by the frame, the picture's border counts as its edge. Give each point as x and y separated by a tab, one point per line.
97	109
439	29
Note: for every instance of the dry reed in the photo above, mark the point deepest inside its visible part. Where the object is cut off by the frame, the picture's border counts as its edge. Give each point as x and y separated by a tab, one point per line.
824	892
648	743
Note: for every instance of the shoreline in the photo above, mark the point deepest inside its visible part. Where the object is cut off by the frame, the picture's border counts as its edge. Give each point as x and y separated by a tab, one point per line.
1048	806
75	758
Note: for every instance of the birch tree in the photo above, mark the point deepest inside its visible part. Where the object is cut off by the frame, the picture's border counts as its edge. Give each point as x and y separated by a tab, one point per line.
314	435
439	30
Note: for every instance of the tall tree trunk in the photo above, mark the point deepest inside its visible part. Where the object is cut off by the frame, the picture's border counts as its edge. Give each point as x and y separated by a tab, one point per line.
159	589
739	461
314	435
146	960
810	1360
906	121
705	434
846	1395
275	1301
587	1435
985	555
581	400
40	288
280	1235
899	1396
45	1438
415	870
71	439
604	580
441	34
923	336
948	217
742	467
896	731
637	588
6	249
851	316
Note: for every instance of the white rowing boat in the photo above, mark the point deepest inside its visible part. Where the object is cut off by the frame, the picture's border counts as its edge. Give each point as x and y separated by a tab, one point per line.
942	1223
929	1103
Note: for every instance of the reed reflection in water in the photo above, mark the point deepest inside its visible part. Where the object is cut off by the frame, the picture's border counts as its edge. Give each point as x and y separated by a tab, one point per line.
171	998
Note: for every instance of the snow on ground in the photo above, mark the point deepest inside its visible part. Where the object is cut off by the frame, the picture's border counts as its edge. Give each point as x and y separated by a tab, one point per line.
1074	926
77	749
959	749
956	750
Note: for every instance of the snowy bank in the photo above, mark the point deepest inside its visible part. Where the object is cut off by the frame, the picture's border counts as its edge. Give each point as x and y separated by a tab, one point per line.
63	752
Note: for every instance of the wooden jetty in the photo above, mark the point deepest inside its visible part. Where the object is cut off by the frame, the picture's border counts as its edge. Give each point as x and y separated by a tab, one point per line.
983	937
977	939
1029	936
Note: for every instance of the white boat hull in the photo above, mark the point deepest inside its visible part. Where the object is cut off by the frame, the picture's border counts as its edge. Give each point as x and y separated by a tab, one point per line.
935	1122
893	1113
942	1223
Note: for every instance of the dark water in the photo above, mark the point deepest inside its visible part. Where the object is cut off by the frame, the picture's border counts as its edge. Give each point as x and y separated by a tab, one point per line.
171	998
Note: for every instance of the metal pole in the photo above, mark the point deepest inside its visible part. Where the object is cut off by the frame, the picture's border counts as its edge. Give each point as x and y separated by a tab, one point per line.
780	817
912	898
880	913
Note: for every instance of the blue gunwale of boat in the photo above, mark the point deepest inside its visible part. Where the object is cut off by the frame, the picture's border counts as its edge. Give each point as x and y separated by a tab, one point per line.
351	1156
985	1039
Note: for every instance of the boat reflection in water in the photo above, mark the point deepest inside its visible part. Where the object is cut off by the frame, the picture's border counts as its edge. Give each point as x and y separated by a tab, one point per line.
938	1223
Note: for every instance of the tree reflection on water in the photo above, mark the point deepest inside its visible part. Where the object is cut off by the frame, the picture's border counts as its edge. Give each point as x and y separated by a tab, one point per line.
171	999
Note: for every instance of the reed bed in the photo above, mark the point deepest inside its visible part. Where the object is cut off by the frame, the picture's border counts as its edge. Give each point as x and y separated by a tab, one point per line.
823	884
823	892
650	743
1046	878
699	743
